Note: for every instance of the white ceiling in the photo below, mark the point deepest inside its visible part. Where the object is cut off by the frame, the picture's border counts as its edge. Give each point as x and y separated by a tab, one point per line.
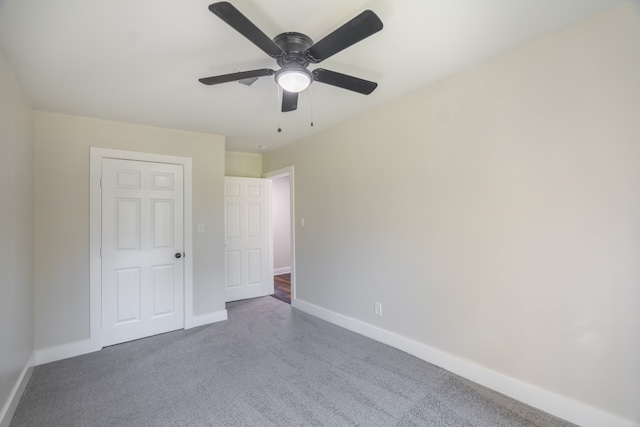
139	61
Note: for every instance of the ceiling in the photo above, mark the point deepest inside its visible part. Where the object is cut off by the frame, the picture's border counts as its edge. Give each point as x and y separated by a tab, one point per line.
140	61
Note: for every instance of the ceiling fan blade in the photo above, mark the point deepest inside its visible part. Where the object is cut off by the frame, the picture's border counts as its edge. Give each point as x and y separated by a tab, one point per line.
359	28
344	81
289	101
224	78
232	16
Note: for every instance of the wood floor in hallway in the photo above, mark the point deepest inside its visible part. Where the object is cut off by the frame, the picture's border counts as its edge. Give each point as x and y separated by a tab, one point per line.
282	287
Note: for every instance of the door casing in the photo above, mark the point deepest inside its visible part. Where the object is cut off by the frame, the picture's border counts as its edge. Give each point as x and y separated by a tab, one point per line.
278	173
95	234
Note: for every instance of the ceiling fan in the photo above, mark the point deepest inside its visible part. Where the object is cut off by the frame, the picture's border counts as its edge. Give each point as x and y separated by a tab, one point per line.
295	51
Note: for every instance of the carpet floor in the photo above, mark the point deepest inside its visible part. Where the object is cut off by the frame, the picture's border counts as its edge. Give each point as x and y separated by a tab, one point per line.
268	365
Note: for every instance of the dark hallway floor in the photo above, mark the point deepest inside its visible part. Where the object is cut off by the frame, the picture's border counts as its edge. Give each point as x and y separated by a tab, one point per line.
282	287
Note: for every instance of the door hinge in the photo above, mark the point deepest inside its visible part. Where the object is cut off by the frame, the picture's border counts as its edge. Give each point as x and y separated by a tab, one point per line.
100	252
100	182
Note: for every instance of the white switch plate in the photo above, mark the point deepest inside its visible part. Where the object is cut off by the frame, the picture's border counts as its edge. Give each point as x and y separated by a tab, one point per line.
301	222
200	228
378	308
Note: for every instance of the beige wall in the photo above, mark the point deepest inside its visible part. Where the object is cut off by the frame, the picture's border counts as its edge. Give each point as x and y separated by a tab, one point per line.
495	215
16	232
62	215
248	165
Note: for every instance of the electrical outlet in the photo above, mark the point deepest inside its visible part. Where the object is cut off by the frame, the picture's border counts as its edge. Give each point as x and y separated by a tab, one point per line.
378	308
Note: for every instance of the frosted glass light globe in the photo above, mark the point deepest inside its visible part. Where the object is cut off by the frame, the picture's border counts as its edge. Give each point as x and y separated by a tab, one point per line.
294	80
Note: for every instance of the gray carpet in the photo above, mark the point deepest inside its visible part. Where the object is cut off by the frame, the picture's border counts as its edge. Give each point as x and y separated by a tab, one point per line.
269	364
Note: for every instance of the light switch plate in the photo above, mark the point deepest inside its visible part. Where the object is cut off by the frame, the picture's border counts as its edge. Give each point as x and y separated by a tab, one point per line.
378	308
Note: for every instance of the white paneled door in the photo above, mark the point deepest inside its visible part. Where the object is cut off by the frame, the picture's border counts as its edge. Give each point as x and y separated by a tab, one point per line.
142	249
246	238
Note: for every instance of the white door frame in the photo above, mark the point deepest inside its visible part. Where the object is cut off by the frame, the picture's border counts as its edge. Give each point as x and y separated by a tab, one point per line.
95	234
279	173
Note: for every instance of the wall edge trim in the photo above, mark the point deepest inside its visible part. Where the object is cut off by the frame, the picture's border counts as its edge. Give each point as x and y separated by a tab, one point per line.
281	270
555	404
78	348
9	407
64	351
205	319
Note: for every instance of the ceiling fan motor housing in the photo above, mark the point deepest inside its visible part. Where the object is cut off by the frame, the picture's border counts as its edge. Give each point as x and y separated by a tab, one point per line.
294	45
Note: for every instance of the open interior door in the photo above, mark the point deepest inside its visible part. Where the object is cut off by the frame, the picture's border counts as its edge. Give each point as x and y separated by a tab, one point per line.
246	237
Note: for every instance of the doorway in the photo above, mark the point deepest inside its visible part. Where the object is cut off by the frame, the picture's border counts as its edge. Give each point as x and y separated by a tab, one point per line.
282	220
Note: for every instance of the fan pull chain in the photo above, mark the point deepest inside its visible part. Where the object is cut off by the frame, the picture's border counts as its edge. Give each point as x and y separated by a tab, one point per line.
311	103
279	98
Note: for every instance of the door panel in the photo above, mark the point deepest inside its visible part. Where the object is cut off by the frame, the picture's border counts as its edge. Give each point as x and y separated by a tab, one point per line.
232	268
254	266
162	290
142	230
232	226
162	220
128	295
246	238
127	224
254	220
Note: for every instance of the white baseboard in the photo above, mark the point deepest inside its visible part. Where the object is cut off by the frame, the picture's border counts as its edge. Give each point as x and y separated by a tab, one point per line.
205	319
9	407
281	270
64	351
552	403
